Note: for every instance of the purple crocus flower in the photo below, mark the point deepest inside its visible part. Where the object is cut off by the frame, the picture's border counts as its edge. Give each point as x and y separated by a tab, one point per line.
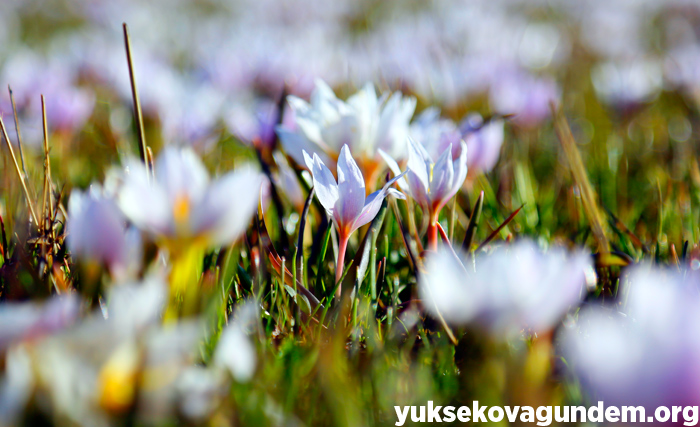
517	286
645	351
345	199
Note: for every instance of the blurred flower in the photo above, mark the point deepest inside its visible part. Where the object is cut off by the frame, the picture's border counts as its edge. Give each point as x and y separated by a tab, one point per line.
682	69
435	133
525	97
31	320
182	206
647	353
484	141
254	122
432	183
345	200
97	233
364	122
68	106
517	286
287	181
626	85
92	370
235	350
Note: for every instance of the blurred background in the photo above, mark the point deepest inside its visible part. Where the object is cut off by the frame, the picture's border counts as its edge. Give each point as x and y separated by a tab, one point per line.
212	75
627	72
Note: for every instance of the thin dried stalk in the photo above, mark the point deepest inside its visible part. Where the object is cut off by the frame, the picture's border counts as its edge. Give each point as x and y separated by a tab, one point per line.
22	178
590	206
138	116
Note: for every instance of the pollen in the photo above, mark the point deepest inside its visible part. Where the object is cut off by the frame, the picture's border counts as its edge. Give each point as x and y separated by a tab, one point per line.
181	208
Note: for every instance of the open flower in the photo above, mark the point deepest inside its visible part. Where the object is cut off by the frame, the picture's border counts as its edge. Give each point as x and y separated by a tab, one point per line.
182	206
645	350
345	200
432	183
483	139
517	286
365	123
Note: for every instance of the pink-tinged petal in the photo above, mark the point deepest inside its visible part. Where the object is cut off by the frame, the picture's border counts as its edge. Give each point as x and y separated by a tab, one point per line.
144	203
295	143
227	207
403	184
181	173
442	179
351	189
374	202
324	182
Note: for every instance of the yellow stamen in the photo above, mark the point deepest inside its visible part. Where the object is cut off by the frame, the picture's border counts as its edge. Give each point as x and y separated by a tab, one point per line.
181	208
117	379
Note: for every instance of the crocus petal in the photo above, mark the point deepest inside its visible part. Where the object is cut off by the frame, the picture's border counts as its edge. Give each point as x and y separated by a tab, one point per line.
227	207
235	350
95	229
324	182
343	132
441	183
418	191
180	172
419	163
444	289
374	202
484	144
295	143
460	171
403	184
144	203
392	128
351	189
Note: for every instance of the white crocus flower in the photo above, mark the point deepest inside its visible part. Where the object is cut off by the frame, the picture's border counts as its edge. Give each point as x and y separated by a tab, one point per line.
345	200
517	286
365	123
432	183
182	205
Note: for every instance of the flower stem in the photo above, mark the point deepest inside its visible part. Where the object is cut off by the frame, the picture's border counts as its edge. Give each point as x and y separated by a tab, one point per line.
340	265
433	233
